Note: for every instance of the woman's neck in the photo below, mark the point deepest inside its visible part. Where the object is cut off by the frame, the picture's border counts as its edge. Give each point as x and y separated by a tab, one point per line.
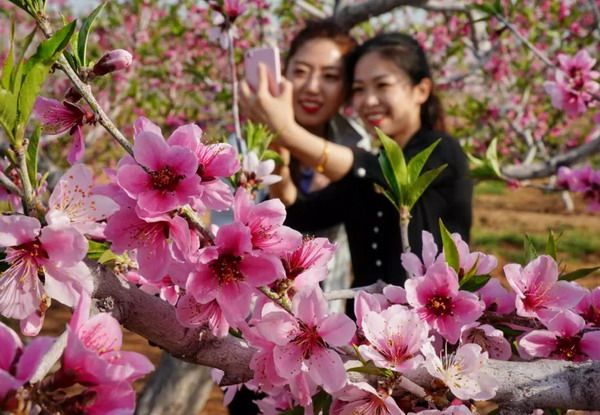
404	137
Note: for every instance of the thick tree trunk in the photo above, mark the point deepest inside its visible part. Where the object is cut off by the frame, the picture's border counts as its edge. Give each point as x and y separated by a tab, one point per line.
175	388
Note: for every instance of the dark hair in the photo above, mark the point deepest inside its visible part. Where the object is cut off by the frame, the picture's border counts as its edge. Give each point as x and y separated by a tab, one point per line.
408	55
321	29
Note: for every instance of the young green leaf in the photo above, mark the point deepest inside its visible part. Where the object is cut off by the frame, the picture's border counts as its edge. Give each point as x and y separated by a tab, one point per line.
47	52
10	58
580	273
395	156
8	112
551	245
450	250
475	282
415	190
32	155
35	72
84	32
390	177
16	77
530	250
416	164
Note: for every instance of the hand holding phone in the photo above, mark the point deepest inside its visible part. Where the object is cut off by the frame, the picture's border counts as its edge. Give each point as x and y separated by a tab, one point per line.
269	56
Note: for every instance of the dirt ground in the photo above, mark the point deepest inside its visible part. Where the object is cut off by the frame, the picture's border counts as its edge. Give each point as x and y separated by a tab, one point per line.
508	212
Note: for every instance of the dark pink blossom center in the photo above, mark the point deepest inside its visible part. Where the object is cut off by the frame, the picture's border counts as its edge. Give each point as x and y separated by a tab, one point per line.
227	269
440	306
165	179
568	347
592	315
34	249
307	339
577	80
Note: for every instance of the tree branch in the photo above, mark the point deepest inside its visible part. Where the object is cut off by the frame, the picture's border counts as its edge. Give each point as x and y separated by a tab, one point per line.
523	385
351	15
549	167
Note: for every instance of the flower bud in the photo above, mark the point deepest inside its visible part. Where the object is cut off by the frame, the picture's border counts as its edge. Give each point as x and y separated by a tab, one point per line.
115	60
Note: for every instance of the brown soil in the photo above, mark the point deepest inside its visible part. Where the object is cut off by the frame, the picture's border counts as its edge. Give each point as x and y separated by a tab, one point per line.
520	211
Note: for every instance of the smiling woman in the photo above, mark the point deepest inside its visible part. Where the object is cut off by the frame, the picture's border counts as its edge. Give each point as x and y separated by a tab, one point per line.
392	88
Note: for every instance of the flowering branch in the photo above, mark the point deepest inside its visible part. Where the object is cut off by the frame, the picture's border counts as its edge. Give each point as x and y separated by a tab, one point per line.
85	92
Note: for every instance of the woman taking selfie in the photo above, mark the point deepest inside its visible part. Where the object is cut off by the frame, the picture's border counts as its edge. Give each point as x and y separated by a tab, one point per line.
392	89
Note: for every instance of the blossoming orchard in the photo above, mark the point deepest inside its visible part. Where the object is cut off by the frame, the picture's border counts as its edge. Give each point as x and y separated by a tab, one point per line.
121	140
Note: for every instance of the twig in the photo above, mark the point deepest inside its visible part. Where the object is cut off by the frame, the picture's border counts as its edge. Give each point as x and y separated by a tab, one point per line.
9	184
352	292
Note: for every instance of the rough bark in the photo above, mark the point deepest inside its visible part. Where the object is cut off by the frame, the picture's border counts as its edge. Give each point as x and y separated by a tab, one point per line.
175	388
523	385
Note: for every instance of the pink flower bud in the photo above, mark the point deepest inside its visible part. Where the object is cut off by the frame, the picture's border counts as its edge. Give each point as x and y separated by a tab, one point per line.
115	60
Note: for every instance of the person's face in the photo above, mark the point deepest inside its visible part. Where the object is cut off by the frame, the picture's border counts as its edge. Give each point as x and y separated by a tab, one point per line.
383	97
316	73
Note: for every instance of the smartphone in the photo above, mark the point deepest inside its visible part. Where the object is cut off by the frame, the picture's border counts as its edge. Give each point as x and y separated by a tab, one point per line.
269	56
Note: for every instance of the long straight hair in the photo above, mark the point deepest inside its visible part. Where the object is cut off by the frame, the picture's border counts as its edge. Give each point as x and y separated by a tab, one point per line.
408	55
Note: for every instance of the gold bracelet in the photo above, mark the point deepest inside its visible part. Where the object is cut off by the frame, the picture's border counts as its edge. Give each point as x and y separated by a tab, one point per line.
324	157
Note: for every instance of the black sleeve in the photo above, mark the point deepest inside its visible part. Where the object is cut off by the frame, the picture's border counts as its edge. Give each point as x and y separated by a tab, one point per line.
331	205
319	210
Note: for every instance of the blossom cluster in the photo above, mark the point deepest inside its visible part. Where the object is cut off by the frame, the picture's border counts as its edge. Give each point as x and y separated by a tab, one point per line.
585	181
261	278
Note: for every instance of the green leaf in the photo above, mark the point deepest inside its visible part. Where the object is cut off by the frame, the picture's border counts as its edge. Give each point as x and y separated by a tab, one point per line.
388	195
509	332
580	273
415	190
491	157
47	52
484	8
321	403
16	77
8	112
32	155
530	250
395	156
551	245
35	72
390	177
450	250
10	59
296	410
474	282
97	249
84	32
416	164
272	155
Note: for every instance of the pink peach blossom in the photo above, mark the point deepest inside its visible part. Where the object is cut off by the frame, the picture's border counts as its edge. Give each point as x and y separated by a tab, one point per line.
362	398
93	353
563	339
307	264
490	340
304	341
589	307
72	201
265	222
229	271
461	371
18	363
166	177
538	289
54	251
438	301
395	337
